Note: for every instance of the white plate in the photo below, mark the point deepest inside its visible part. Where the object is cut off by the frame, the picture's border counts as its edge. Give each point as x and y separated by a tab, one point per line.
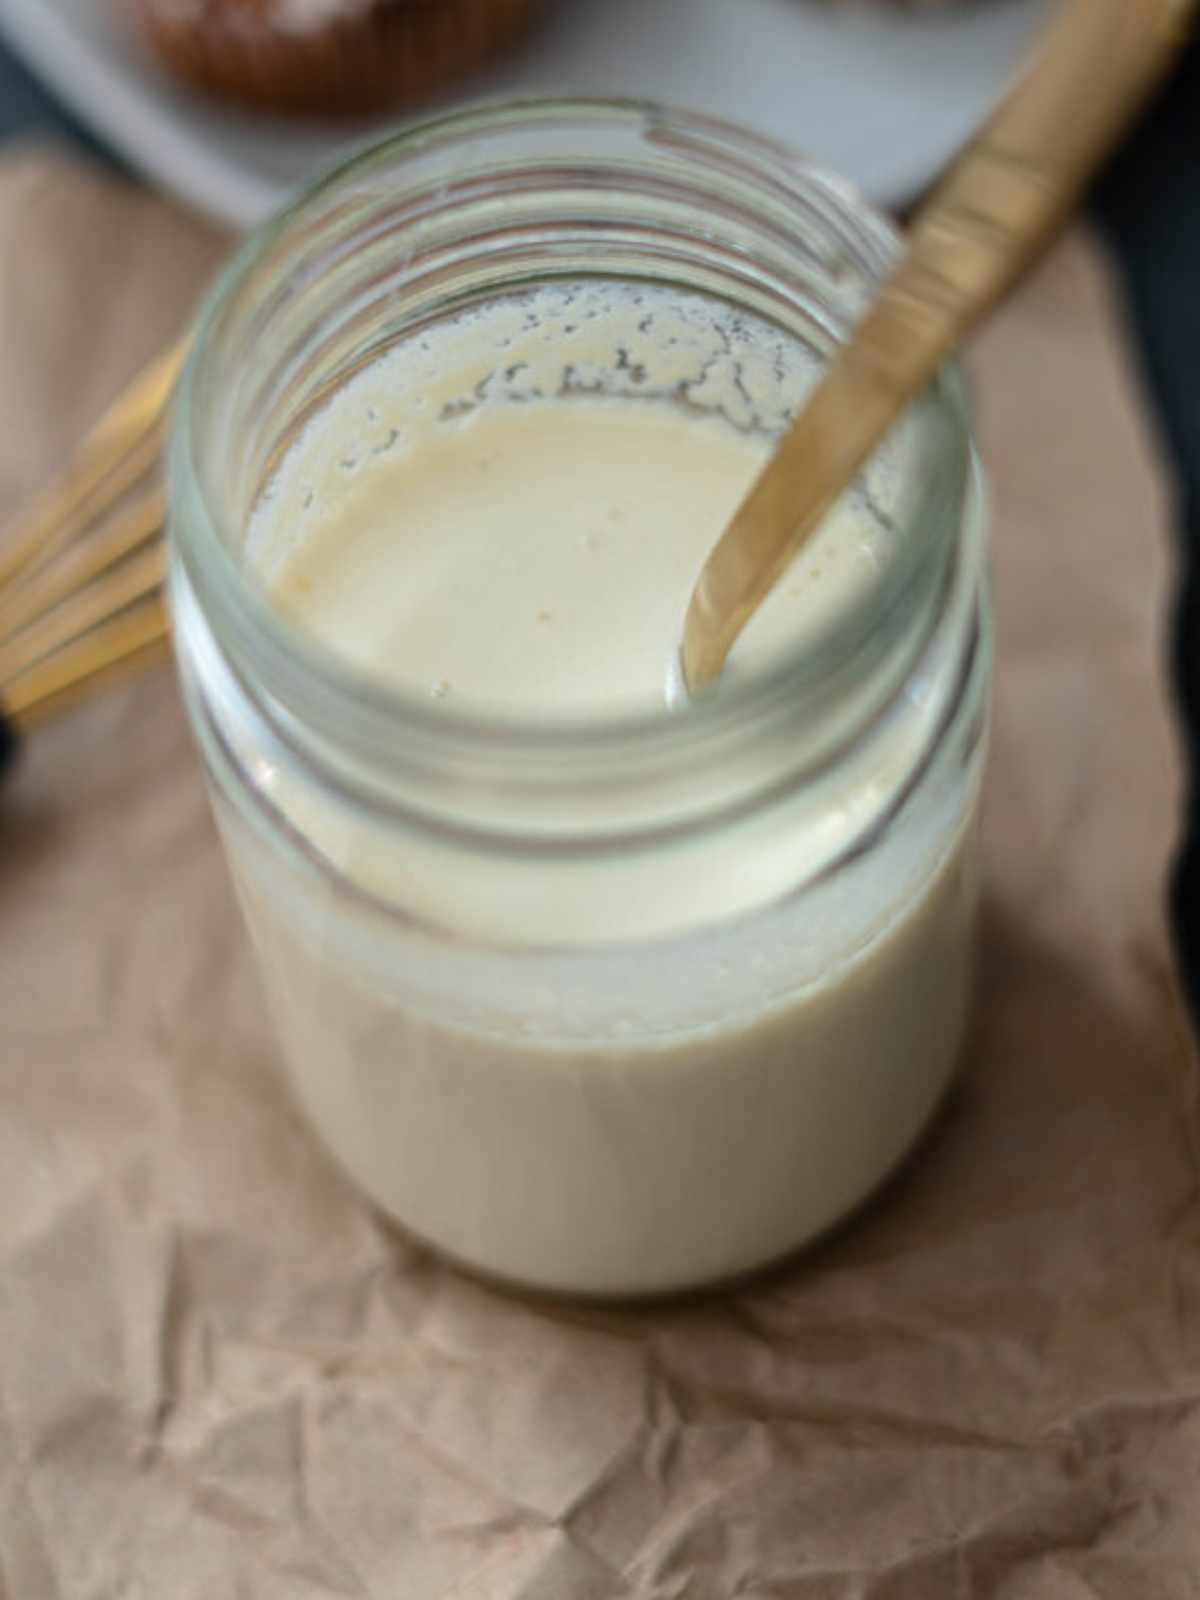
881	97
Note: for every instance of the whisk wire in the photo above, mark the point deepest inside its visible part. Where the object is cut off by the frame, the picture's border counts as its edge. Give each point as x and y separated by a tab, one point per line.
81	571
120	645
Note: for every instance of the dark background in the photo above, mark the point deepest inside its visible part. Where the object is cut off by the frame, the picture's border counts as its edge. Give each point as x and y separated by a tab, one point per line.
1147	205
1148	208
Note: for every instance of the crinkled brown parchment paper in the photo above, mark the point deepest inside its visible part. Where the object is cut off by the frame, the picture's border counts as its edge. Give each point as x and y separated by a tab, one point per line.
221	1375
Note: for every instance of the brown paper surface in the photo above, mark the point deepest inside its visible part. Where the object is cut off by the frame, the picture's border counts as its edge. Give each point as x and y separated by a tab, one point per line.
222	1375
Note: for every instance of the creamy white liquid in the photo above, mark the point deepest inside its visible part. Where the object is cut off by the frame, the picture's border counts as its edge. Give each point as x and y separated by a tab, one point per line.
734	1069
539	558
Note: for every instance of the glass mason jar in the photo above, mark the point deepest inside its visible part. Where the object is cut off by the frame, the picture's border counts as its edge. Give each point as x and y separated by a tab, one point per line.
597	1007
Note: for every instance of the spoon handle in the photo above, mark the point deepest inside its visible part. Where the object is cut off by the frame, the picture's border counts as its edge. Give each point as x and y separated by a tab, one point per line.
980	229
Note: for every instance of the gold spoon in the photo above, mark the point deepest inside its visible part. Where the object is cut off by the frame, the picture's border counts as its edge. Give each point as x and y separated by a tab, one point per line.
983	225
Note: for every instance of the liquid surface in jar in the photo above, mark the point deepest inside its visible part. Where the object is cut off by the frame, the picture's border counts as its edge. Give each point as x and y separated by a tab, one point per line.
524	539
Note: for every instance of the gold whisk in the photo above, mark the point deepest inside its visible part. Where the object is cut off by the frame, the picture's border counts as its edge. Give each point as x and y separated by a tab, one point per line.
81	571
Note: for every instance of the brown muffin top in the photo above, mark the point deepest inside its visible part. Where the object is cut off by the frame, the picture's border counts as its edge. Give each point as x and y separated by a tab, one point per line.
278	16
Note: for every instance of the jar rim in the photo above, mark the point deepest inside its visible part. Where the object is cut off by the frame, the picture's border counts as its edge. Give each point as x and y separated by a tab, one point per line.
320	685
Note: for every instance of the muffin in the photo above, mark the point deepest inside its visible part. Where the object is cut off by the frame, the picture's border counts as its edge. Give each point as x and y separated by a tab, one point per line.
328	58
